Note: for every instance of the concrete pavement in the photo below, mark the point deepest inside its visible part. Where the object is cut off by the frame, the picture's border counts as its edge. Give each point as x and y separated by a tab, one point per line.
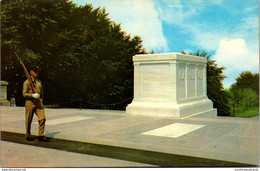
204	140
20	155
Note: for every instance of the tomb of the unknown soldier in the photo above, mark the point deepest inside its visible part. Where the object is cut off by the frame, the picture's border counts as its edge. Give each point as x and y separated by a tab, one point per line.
170	84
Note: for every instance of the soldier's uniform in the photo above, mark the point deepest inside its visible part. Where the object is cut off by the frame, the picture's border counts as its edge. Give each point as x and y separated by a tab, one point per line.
33	105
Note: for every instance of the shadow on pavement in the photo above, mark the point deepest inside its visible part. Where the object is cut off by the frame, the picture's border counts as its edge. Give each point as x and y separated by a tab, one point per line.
129	154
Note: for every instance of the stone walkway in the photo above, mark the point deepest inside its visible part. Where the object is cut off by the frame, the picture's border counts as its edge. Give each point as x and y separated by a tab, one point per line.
206	139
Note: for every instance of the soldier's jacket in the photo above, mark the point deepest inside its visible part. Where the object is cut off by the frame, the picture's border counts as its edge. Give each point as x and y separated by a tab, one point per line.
27	89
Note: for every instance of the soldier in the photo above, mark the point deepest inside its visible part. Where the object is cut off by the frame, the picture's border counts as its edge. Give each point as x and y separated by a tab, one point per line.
33	105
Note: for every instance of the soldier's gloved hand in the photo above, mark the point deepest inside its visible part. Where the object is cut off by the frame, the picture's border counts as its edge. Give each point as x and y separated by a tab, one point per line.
35	95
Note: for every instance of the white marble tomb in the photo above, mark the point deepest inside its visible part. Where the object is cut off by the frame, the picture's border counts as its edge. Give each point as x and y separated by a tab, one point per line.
170	84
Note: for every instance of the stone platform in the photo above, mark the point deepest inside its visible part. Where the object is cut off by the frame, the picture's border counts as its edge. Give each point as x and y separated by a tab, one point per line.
192	141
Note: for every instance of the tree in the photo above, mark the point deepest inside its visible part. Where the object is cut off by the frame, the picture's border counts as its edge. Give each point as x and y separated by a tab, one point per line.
245	91
81	52
215	88
247	80
248	97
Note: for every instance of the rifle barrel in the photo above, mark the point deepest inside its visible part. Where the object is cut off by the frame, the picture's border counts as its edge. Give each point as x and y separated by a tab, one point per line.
26	73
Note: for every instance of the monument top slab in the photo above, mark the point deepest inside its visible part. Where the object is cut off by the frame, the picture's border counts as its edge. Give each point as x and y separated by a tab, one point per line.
168	56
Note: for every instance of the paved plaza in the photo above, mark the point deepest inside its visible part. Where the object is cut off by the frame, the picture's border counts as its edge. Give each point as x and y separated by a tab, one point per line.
199	140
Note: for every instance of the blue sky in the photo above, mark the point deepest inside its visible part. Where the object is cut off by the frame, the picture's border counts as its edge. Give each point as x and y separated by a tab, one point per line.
226	29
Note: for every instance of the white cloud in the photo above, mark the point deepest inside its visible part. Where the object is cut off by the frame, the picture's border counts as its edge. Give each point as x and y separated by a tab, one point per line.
237	56
205	38
202	34
248	29
174	12
250	9
137	18
179	12
239	50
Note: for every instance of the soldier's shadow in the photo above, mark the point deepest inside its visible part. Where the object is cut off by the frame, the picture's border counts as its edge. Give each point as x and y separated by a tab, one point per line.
51	134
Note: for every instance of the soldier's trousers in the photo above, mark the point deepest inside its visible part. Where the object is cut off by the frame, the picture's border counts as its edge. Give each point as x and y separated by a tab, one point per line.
31	107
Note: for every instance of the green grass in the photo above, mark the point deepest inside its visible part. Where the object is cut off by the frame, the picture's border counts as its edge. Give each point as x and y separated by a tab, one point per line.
246	112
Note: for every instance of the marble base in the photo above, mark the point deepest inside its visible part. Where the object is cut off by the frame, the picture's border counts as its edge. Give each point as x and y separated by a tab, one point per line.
167	109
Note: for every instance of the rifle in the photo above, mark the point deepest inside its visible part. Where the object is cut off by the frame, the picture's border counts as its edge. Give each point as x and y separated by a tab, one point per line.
26	73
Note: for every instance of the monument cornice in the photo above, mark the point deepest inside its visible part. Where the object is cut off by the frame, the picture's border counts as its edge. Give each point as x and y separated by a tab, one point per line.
169	57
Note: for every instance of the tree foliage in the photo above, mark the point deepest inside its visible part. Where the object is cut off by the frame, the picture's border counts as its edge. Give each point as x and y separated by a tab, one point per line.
247	97
83	55
215	88
245	91
247	79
